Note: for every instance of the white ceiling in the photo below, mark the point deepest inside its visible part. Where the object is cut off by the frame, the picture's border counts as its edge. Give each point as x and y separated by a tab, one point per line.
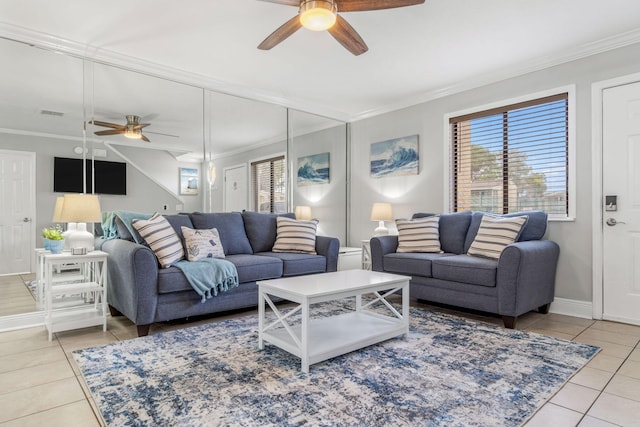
415	53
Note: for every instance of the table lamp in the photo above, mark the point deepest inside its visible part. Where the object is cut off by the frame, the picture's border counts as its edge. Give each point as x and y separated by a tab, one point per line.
303	212
381	212
57	217
80	209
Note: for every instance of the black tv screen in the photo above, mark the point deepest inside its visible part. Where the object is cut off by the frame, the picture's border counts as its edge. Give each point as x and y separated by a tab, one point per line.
111	177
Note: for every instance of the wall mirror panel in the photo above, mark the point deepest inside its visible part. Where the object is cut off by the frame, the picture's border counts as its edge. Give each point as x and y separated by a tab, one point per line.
241	131
41	115
174	117
317	152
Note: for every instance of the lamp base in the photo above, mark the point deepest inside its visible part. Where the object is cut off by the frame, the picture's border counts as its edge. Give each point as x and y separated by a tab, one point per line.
381	230
81	238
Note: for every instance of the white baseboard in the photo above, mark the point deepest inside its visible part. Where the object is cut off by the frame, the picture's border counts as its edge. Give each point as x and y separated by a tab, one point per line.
572	307
21	321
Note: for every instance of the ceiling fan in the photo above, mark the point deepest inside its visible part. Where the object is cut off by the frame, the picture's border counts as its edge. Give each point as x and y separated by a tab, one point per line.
320	15
133	128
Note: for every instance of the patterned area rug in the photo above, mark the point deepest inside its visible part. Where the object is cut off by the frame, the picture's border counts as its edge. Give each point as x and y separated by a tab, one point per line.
448	371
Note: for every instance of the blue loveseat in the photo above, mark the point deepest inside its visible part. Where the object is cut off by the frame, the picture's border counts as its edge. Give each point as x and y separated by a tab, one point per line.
521	280
145	293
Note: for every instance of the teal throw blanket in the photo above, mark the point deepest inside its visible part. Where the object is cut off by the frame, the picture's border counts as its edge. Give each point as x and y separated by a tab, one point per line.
209	275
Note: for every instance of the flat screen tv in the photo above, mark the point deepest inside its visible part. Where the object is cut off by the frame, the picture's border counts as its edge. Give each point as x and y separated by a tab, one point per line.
111	177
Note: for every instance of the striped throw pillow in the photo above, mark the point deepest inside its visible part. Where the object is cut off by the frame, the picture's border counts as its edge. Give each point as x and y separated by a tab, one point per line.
161	238
494	234
419	235
295	236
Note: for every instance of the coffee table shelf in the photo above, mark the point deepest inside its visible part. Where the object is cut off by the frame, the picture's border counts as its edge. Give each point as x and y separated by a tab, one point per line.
318	339
357	330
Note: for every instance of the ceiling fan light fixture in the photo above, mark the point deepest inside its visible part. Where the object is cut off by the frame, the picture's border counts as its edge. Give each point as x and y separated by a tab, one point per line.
318	15
133	133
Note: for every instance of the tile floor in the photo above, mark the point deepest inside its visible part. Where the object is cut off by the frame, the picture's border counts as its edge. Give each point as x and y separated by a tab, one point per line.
40	384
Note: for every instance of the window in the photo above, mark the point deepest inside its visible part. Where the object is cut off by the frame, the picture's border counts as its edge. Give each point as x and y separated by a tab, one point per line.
269	185
512	158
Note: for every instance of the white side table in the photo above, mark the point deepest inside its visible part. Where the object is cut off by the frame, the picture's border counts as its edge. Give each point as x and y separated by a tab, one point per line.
349	258
366	255
75	299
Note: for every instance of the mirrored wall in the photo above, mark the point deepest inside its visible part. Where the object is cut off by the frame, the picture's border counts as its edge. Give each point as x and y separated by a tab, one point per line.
48	97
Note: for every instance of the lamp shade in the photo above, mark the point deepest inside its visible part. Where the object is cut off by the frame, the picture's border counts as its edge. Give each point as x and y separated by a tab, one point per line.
57	211
303	212
381	212
80	208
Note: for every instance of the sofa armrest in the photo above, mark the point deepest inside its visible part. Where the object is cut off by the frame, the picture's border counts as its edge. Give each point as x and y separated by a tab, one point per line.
132	285
329	247
526	276
380	246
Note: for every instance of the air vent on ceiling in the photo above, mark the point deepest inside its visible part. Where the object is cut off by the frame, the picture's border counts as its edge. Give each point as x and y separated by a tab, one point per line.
51	113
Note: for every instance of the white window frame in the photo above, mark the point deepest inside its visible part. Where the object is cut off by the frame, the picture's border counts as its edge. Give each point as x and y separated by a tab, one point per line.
571	141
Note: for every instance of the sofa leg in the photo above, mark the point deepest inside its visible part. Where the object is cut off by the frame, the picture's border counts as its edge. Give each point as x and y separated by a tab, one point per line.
143	330
509	322
113	311
544	309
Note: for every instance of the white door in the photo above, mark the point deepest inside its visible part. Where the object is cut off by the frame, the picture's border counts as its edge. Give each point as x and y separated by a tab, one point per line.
235	188
621	227
17	209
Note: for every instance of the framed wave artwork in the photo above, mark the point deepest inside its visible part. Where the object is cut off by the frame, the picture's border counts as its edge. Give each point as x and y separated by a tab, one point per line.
313	169
395	157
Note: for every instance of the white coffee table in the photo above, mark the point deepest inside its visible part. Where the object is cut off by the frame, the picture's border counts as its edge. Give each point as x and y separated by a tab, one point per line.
315	340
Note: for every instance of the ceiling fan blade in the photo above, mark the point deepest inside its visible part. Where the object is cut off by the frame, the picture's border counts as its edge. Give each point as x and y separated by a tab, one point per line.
362	5
295	3
106	124
348	37
163	134
141	125
285	30
144	138
110	132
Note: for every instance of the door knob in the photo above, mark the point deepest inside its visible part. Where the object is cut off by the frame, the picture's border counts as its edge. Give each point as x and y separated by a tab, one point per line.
612	221
25	219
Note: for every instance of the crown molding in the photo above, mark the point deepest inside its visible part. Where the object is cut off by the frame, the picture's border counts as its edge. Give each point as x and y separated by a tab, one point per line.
567	55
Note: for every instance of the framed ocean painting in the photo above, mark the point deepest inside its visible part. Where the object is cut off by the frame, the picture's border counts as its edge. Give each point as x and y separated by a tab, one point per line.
313	169
395	157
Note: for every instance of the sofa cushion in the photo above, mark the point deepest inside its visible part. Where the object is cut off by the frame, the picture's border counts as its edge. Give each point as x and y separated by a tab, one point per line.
230	227
261	229
465	269
418	235
414	263
161	238
177	222
294	235
534	229
201	244
294	264
254	267
494	234
453	228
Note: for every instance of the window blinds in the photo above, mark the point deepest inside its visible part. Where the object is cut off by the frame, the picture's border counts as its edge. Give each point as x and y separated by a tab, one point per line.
269	185
513	158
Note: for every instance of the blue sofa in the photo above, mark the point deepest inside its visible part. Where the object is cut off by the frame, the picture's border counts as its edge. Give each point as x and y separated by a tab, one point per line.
521	280
145	293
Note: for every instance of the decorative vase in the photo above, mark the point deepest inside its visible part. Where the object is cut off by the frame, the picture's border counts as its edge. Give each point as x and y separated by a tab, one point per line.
45	243
56	246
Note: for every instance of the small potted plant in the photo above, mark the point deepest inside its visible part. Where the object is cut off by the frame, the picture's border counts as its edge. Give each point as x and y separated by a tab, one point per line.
52	239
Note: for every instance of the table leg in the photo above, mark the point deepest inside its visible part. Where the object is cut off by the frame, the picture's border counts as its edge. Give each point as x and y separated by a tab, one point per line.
405	306
260	318
305	336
